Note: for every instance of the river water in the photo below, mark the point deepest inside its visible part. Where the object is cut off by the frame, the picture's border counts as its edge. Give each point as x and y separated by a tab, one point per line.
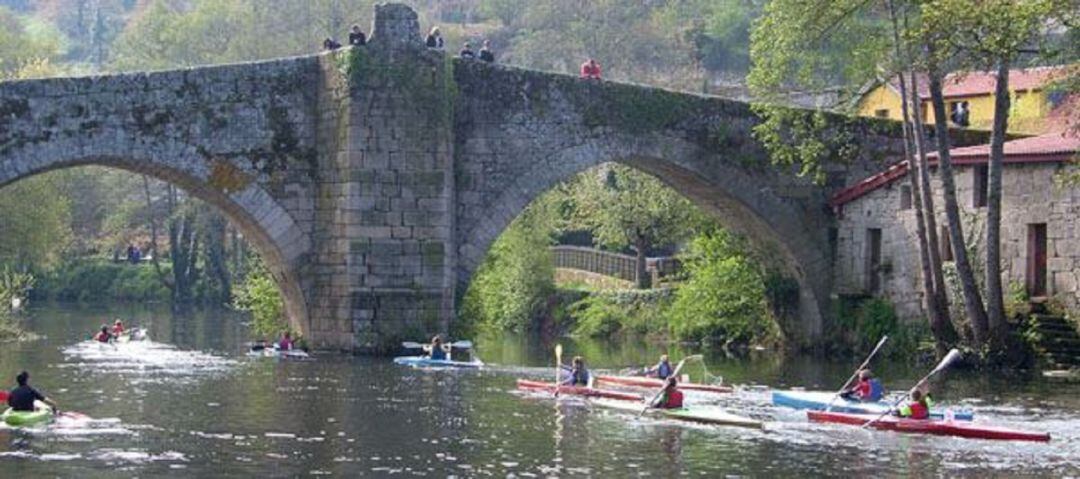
191	403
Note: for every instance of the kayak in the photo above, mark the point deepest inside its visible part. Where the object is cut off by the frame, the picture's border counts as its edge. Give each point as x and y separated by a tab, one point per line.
136	334
278	353
15	418
426	362
929	426
527	385
818	400
644	382
699	414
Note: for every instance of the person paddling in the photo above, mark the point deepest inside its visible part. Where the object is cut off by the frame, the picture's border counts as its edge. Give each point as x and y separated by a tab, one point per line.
672	397
22	397
103	336
435	350
118	328
661	370
917	408
579	376
286	342
868	389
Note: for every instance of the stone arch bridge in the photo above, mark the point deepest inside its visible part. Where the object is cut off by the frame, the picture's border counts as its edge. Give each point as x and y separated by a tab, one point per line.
372	180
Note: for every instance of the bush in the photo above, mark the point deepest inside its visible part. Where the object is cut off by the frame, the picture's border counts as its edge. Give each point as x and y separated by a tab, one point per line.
864	321
260	295
724	295
87	280
606	313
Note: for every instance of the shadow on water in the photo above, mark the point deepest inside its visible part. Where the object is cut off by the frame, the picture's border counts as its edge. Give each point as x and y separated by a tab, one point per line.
191	403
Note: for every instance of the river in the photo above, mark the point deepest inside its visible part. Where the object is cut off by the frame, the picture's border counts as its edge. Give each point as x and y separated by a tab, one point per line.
191	403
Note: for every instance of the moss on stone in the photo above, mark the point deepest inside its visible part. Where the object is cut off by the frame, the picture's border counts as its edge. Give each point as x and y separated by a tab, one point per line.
637	110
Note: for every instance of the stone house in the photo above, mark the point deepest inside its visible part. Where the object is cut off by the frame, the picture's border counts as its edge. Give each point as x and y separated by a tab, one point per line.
875	247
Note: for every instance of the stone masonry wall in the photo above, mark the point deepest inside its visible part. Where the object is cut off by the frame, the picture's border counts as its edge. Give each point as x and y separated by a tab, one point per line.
1030	196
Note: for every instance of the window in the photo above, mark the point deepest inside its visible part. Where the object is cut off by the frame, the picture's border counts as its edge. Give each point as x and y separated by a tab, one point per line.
979	186
959	113
905	197
873	260
882	113
834	241
1036	260
946	244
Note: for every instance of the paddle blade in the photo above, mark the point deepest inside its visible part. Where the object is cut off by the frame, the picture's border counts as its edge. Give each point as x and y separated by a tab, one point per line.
411	345
954	354
463	344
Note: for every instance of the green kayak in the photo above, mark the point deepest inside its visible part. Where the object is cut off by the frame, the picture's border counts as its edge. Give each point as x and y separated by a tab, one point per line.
26	418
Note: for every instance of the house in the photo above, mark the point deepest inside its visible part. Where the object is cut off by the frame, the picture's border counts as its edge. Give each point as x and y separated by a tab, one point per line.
969	99
875	248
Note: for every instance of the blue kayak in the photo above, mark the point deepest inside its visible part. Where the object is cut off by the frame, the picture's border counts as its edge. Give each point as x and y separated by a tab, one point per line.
817	400
426	362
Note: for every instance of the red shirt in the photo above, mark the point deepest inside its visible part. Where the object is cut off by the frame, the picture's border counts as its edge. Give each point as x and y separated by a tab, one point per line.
673	400
590	70
118	330
101	337
863	389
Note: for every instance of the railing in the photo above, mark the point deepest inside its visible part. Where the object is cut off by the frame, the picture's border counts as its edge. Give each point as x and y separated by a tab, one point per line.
615	265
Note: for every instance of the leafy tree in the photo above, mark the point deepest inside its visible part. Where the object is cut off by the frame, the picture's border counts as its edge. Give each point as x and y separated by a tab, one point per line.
35	229
259	295
626	208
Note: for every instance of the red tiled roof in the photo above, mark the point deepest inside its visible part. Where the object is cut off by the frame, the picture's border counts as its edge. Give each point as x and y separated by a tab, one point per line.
1054	147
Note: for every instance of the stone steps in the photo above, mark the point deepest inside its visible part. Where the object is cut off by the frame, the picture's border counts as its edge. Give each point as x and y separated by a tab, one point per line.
1056	339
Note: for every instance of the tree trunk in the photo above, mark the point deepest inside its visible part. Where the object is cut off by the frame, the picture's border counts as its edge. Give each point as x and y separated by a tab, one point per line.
216	260
152	220
184	245
995	301
973	304
944	327
642	280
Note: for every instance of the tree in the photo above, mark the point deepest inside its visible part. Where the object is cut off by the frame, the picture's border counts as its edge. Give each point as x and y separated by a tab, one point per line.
626	208
35	226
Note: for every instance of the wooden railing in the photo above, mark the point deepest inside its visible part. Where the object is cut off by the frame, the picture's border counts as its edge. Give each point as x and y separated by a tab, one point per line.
615	265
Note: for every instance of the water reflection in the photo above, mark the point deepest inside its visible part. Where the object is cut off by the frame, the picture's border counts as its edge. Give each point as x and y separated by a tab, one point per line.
192	403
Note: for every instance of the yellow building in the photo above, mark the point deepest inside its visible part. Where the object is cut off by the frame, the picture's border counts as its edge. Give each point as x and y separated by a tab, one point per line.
969	99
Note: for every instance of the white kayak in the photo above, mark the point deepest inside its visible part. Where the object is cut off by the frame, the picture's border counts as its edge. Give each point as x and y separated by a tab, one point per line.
692	413
278	353
426	362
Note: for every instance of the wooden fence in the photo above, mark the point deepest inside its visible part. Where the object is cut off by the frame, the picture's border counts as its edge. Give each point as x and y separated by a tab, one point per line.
615	265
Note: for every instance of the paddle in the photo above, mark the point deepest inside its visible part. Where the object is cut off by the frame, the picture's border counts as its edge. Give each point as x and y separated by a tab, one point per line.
464	344
860	368
945	362
558	368
661	391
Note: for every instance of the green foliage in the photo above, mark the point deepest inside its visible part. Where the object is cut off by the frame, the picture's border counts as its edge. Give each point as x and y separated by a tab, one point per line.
863	322
24	42
35	227
510	290
96	280
605	313
724	296
260	295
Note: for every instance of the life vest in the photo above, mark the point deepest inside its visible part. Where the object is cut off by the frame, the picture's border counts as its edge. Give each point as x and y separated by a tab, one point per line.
102	337
673	399
870	390
117	330
285	344
580	377
915	410
663	370
438	353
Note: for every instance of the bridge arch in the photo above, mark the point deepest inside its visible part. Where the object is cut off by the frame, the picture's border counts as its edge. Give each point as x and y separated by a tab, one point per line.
726	189
269	228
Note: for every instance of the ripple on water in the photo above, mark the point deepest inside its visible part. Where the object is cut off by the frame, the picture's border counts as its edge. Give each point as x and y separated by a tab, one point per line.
142	358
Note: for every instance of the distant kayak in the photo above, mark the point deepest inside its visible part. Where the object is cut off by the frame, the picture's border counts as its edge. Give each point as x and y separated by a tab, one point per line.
818	400
135	334
426	362
279	353
14	418
698	414
640	381
527	385
929	426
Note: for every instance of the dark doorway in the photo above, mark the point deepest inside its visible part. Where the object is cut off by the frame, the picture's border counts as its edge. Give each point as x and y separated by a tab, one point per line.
873	260
1036	260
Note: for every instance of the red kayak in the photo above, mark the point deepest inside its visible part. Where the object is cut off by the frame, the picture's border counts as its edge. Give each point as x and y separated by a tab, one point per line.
929	426
525	384
644	382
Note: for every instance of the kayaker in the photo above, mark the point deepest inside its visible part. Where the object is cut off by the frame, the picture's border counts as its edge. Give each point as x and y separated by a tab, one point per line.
22	397
868	389
103	336
435	349
917	408
672	397
661	370
286	342
118	328
579	376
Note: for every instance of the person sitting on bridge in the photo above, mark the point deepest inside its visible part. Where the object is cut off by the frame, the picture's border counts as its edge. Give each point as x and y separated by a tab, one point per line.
357	37
671	398
467	52
662	369
579	376
286	342
590	70
434	39
868	389
436	350
485	52
918	407
22	397
103	336
330	44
